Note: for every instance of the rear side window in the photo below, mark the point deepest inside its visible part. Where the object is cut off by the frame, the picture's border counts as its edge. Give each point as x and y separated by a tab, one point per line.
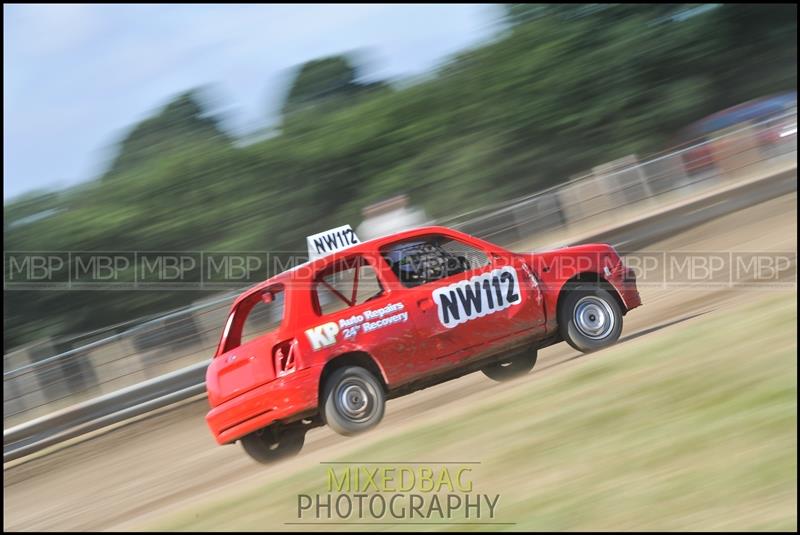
255	316
430	258
349	283
263	317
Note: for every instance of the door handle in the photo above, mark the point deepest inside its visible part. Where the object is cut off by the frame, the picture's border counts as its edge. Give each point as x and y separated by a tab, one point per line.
425	304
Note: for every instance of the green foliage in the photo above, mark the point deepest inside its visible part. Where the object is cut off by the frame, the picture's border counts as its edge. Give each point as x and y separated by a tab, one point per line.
565	88
320	79
181	123
324	85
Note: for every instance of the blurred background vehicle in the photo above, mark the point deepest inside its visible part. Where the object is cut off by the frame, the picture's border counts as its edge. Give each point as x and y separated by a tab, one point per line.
775	113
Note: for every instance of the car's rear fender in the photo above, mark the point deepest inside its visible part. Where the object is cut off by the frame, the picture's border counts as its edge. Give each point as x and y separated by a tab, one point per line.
353	356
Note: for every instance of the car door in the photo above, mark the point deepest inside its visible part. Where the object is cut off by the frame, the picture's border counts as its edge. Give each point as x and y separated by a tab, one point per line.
360	312
486	301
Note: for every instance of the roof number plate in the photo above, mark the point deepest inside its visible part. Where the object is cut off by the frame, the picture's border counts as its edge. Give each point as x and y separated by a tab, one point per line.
330	241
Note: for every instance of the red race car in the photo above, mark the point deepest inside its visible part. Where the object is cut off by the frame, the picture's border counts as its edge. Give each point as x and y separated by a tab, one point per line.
329	341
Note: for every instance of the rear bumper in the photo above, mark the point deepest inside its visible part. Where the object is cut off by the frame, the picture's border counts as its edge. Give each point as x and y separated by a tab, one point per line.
283	399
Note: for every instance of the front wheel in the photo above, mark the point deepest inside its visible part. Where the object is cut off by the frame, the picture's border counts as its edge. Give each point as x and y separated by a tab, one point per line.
268	445
353	401
512	367
590	318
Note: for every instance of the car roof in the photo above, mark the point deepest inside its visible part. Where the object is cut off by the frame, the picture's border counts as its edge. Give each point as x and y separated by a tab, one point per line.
364	247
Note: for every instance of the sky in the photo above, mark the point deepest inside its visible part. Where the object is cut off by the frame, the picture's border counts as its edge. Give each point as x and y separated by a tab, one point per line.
76	77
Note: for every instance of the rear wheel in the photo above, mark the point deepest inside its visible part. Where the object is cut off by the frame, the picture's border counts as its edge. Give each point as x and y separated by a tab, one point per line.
353	401
269	445
590	318
512	367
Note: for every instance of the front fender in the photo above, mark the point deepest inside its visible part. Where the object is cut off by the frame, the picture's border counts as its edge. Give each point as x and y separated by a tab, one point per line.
555	269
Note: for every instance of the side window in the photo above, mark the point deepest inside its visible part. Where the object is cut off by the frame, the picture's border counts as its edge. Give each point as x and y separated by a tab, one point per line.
347	284
475	258
430	258
263	316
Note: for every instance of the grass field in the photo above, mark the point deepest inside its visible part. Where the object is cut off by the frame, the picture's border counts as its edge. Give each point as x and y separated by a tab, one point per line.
691	427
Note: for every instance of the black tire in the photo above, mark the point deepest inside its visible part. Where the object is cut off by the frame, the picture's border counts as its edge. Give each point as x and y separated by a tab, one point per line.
353	401
268	446
516	366
590	318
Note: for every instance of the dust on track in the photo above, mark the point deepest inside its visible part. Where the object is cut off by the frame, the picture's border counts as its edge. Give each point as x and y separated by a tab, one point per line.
117	479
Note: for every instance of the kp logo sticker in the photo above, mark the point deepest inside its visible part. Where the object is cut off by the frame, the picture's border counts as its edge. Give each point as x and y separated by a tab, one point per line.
478	296
323	335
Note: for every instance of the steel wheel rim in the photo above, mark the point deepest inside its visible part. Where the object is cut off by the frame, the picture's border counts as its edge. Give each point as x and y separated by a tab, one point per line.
355	399
594	317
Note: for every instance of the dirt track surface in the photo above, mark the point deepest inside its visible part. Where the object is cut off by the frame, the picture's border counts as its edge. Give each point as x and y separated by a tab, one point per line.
125	477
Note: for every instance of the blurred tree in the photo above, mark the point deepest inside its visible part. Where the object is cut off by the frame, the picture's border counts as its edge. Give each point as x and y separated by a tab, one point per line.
319	81
569	87
181	122
516	14
759	52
